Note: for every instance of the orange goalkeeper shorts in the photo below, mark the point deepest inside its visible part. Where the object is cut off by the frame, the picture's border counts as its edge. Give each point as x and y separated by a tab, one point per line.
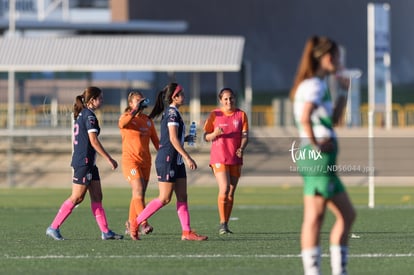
233	170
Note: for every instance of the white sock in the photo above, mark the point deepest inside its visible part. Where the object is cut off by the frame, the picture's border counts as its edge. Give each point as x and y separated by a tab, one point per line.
339	259
311	259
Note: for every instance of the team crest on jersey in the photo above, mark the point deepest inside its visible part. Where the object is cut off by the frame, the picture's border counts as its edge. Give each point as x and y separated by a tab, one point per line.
236	123
172	113
149	123
172	173
89	176
133	172
91	120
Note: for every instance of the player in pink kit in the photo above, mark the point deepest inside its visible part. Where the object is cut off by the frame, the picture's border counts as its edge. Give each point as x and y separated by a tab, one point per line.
227	129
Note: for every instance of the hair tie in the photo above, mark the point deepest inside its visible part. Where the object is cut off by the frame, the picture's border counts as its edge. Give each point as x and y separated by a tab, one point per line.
177	90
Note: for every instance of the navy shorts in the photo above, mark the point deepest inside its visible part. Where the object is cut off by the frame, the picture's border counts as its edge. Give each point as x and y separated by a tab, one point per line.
85	174
168	172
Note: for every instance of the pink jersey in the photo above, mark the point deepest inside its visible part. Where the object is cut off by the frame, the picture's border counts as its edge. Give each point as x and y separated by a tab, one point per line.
224	147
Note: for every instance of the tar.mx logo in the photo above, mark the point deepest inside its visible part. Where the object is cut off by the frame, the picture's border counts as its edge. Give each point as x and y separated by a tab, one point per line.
305	153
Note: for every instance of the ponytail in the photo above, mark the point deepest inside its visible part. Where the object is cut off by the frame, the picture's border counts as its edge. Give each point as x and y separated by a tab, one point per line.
164	98
78	106
159	105
82	100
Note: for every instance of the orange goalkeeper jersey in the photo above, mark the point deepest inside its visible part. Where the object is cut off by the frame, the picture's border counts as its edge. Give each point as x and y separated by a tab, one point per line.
136	135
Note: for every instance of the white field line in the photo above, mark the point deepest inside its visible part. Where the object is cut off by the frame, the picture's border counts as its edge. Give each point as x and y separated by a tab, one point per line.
276	256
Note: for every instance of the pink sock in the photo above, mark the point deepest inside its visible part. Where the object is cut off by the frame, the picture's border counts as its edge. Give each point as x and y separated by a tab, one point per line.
149	210
183	215
64	212
99	213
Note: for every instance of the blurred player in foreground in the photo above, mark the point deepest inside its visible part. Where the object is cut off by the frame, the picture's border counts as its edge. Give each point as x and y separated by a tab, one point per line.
315	116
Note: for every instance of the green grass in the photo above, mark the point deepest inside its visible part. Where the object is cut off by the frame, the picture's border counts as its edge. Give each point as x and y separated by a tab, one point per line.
266	241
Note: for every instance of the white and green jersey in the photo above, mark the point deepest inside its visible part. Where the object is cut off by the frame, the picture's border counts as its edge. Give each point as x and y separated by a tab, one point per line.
314	90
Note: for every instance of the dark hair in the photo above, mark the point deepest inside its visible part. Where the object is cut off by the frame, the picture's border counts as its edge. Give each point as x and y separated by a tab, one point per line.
82	100
220	94
164	98
130	97
315	48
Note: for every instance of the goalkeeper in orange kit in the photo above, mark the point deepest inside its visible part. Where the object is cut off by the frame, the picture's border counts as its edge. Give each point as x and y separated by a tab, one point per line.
137	130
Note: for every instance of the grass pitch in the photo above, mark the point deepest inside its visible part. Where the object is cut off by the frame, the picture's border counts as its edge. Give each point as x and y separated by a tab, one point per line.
266	222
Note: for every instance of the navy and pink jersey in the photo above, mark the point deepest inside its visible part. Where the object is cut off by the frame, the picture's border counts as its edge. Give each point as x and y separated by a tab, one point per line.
166	152
83	152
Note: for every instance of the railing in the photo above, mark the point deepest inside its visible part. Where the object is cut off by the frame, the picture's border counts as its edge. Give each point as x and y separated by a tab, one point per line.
402	116
27	116
42	116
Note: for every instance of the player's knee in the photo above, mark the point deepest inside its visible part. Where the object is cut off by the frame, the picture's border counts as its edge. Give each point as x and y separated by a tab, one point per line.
138	195
165	201
352	216
314	221
77	200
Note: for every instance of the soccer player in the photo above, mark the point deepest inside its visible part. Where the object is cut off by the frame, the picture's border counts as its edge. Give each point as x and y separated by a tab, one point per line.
137	130
227	129
315	117
85	172
170	160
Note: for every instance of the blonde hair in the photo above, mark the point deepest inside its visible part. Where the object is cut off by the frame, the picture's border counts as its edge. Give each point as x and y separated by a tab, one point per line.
131	95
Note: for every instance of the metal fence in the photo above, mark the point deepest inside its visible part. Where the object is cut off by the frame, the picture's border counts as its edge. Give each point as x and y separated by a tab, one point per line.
27	116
